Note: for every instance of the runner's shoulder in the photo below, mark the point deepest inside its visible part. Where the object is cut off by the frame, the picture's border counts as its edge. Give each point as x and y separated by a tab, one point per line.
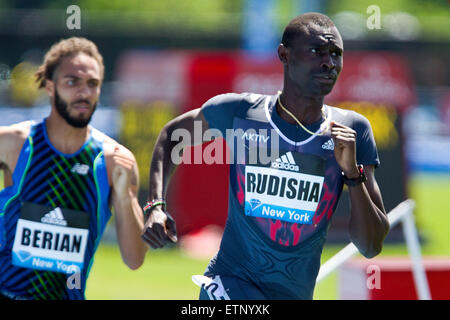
349	118
14	135
234	102
111	148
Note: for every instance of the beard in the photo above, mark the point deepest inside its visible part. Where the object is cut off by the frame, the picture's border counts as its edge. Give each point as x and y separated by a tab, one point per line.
62	109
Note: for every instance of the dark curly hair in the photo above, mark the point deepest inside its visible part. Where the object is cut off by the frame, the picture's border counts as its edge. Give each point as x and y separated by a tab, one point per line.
66	48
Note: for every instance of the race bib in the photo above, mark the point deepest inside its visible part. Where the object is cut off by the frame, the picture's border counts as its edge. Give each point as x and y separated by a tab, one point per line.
52	239
288	190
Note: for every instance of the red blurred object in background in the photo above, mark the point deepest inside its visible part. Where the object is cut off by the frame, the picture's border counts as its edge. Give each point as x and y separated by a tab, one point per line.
358	279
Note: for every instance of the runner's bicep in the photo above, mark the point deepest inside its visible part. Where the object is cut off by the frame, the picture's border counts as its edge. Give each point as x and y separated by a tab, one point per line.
188	128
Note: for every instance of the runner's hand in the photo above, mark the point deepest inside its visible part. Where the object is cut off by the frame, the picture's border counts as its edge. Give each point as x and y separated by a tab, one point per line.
122	174
159	228
344	139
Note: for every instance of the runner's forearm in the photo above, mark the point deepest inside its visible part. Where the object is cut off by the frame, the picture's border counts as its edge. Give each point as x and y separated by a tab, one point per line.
368	222
129	225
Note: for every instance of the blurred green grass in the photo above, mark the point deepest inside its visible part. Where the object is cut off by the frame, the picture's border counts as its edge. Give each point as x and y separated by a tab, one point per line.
166	274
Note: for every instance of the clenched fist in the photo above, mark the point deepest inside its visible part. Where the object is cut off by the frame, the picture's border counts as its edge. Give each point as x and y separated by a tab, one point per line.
159	228
122	173
344	139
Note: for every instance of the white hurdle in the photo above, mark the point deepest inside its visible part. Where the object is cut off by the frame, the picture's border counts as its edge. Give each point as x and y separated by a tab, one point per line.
404	213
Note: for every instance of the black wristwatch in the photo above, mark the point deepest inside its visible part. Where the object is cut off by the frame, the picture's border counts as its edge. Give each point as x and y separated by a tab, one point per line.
356	181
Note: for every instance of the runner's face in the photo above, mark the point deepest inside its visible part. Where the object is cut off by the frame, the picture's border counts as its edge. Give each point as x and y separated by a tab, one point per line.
77	89
314	61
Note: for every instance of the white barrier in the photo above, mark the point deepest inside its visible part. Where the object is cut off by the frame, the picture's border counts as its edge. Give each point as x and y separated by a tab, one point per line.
401	213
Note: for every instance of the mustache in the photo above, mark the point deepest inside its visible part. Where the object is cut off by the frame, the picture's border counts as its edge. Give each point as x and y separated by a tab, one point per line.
82	101
331	74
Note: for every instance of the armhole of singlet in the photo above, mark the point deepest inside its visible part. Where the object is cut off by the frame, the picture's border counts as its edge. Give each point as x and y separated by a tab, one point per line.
103	212
23	163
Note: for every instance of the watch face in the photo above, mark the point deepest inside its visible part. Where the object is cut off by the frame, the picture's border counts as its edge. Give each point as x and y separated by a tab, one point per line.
362	173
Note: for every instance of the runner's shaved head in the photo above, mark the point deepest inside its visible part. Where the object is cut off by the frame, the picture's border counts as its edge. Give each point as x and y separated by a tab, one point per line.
299	26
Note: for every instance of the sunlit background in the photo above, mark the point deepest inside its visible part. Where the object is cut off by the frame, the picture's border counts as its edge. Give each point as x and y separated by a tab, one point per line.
163	58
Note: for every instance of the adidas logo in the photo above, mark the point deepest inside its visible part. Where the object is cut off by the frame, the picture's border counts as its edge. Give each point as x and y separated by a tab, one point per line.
54	217
329	145
287	162
80	169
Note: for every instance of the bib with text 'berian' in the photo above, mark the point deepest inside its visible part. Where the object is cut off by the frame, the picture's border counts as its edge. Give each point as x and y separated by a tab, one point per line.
287	189
51	239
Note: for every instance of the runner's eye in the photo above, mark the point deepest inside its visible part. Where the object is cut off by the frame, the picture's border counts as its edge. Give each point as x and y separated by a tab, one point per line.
336	53
93	84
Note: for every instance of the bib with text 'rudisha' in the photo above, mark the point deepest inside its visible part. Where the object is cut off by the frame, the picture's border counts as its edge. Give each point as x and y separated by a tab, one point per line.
52	239
287	189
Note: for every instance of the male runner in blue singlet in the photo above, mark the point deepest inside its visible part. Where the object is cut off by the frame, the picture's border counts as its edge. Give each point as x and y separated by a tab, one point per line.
61	178
279	211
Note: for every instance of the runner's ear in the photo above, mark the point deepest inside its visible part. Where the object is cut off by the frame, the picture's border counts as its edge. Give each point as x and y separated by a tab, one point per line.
282	53
50	88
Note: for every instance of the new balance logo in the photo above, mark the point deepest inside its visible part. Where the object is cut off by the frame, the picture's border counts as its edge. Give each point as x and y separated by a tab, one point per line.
287	162
329	145
54	217
82	169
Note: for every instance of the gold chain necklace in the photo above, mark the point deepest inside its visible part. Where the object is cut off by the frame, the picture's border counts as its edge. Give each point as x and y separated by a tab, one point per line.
298	121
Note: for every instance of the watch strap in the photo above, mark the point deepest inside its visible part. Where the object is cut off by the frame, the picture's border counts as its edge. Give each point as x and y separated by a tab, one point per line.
355	181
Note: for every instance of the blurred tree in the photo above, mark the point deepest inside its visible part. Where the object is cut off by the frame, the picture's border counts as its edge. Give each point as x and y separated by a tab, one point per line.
25	4
225	16
432	15
23	88
168	14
